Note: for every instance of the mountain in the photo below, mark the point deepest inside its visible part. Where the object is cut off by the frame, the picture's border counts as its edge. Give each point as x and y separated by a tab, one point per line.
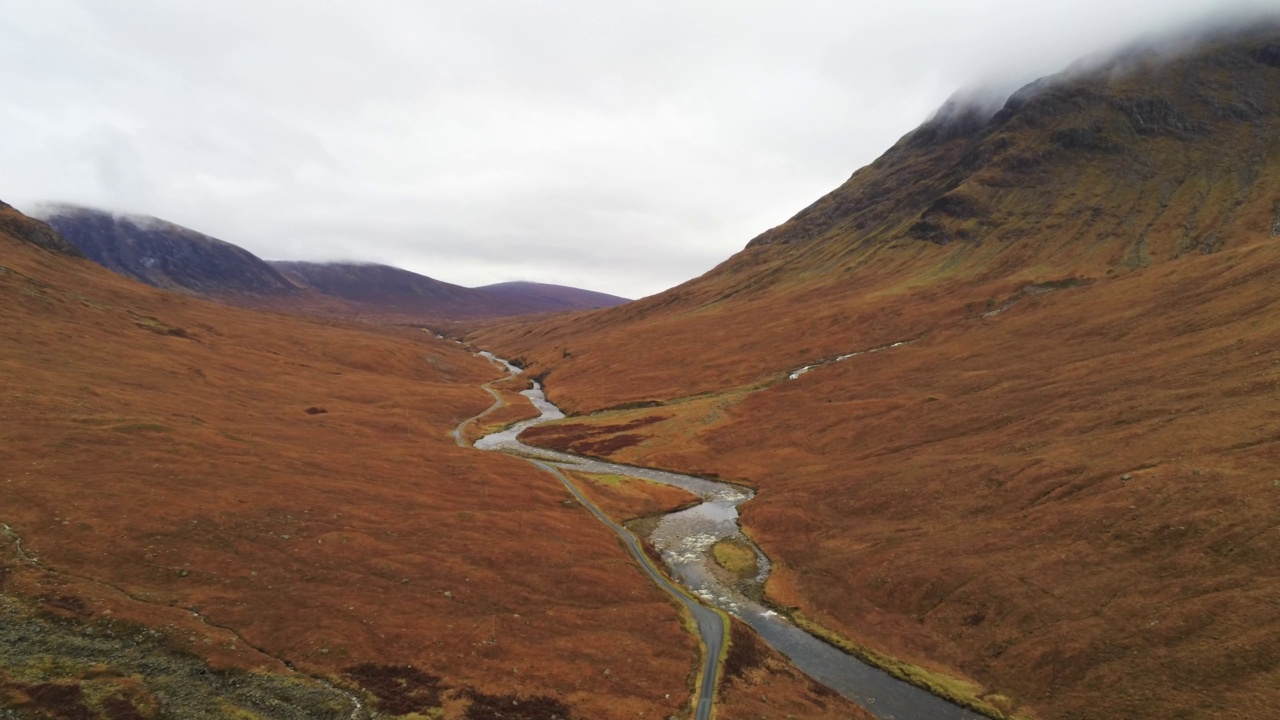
381	285
163	254
401	291
214	512
1155	157
1157	154
1006	395
29	230
541	297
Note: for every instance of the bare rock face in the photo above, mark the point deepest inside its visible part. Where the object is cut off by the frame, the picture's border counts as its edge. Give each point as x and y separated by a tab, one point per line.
1128	137
165	255
34	232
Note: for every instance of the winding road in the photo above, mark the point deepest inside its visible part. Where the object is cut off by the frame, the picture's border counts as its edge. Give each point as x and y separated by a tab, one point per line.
712	624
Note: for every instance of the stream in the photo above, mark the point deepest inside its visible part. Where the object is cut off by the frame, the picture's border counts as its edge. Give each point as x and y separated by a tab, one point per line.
684	538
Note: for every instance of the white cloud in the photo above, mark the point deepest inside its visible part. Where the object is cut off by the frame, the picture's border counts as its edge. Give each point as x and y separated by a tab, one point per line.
619	147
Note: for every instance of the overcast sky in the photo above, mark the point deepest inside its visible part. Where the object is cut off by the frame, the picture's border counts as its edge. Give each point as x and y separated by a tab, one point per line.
621	147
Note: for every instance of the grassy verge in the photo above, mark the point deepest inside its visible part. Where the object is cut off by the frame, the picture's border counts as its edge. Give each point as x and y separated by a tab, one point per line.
960	692
607	479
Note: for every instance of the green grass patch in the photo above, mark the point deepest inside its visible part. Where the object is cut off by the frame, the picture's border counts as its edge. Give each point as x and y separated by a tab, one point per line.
611	480
491	428
736	557
101	421
142	428
146	322
435	713
235	712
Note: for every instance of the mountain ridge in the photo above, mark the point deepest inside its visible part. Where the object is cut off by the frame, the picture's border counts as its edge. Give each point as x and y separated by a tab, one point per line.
1003	394
164	254
170	256
1094	175
1110	110
407	291
35	232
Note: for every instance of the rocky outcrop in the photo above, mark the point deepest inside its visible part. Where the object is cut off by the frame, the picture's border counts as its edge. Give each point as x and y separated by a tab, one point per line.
165	255
34	232
1138	141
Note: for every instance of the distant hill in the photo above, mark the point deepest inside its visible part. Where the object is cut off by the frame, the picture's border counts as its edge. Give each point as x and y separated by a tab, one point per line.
402	291
170	256
382	285
163	254
550	297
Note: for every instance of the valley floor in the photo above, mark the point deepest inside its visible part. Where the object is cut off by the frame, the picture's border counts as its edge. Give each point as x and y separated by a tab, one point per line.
1067	506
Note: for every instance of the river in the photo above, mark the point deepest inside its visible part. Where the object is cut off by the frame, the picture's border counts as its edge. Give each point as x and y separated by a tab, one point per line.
685	538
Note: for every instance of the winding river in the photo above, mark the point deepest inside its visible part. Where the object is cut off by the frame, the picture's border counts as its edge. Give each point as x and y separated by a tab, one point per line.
684	539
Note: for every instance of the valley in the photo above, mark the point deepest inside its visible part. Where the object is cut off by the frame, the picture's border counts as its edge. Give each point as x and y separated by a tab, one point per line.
1050	487
684	540
988	431
204	475
194	526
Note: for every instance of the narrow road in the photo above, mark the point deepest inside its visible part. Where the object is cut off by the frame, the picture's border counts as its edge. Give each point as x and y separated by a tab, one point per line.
712	627
712	624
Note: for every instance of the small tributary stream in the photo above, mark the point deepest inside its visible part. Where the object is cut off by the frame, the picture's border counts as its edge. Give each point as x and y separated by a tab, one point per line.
685	539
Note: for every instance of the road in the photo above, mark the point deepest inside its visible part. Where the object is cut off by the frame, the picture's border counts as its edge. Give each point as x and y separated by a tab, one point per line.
712	624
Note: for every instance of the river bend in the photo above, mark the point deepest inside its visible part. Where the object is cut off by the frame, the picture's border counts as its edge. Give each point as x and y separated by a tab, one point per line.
684	538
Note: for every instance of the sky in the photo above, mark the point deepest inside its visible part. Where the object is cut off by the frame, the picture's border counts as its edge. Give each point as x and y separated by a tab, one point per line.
618	147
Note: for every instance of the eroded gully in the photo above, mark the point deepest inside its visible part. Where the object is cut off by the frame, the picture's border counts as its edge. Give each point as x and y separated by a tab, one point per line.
685	539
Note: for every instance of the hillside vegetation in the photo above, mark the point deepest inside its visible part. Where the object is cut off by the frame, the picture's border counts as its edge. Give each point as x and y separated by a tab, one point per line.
200	500
1062	488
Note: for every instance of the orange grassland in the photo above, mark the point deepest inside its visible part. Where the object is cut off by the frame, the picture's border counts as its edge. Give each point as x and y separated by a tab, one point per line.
1063	494
158	457
515	407
1071	504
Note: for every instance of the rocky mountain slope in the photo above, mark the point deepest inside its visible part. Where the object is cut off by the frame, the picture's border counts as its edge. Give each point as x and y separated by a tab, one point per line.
163	254
1161	154
1006	394
17	225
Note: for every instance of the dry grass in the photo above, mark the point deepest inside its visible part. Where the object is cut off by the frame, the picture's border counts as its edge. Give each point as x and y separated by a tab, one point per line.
161	472
624	498
962	503
1070	502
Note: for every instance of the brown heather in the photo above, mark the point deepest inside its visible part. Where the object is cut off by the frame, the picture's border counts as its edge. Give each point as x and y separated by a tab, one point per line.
157	457
1065	491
